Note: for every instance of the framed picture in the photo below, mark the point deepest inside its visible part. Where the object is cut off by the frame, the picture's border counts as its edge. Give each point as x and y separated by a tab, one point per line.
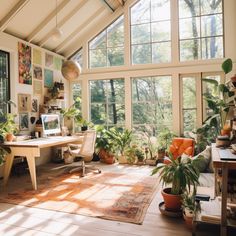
37	72
24	102
57	63
48	78
37	56
24	121
24	63
34	105
37	87
48	60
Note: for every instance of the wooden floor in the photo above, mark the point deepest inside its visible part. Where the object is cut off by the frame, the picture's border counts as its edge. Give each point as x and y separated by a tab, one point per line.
19	220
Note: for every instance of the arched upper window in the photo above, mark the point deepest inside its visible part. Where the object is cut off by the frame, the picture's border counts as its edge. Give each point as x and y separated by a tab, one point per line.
150	32
107	48
200	29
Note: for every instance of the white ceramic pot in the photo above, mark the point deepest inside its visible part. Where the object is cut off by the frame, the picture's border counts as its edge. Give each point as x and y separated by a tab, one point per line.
188	212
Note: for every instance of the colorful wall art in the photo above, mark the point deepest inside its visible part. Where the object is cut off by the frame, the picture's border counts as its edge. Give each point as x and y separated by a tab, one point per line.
24	63
48	78
37	57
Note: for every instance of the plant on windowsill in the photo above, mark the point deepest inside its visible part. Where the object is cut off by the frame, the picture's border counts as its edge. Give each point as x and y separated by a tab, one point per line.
219	102
164	139
104	146
180	175
121	140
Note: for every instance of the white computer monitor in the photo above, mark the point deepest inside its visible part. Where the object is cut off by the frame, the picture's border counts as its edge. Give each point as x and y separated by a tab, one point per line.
51	124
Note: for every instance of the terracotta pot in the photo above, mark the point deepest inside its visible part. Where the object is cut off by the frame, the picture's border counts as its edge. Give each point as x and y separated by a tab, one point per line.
10	137
172	202
122	159
225	132
188	221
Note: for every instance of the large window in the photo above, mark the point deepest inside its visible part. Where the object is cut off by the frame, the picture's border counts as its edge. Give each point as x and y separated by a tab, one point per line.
200	29
152	103
151	32
189	103
107	102
4	81
107	48
78	57
76	92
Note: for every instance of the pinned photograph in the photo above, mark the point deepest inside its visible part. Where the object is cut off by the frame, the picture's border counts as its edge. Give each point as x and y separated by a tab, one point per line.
24	102
34	105
24	121
38	73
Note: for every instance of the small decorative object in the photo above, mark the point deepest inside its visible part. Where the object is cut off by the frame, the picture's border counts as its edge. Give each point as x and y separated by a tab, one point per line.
24	102
70	70
32	119
223	141
24	63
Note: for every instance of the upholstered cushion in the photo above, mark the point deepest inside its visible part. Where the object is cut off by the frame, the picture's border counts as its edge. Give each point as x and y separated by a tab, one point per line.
202	160
182	145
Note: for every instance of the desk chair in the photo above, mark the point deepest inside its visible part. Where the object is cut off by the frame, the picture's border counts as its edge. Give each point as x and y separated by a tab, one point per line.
84	151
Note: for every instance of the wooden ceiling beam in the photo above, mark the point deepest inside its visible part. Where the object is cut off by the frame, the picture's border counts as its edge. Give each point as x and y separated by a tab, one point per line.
12	13
62	22
34	33
121	2
108	5
76	31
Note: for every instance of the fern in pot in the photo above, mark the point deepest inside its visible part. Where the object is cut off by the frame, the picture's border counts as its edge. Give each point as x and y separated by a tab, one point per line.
180	175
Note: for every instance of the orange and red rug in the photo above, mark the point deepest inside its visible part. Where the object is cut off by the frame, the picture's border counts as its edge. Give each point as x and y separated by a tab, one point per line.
114	196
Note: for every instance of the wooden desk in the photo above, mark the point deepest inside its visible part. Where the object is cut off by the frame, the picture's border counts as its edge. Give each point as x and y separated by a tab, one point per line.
225	166
31	149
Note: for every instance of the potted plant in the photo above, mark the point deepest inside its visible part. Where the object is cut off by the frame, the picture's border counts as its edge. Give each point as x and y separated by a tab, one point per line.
188	205
219	102
7	129
140	156
180	174
164	139
121	140
104	146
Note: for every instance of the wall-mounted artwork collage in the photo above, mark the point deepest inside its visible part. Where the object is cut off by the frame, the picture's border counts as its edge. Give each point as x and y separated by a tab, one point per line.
40	70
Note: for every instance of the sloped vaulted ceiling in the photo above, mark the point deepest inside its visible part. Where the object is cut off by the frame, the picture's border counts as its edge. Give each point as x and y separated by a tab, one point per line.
35	20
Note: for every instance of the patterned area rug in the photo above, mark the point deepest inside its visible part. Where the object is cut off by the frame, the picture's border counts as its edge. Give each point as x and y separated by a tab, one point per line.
114	196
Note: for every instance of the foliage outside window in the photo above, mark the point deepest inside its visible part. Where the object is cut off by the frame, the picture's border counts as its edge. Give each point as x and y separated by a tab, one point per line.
76	92
152	103
189	101
4	81
78	57
151	32
208	88
200	29
107	48
107	102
